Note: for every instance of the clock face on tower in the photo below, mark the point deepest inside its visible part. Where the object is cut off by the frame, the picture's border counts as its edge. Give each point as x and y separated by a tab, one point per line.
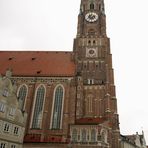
91	17
91	52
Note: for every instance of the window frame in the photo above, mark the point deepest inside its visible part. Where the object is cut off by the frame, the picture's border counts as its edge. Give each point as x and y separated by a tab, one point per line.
18	91
74	135
53	104
34	103
2	107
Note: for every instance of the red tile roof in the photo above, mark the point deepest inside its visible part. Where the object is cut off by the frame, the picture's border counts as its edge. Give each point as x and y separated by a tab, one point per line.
37	63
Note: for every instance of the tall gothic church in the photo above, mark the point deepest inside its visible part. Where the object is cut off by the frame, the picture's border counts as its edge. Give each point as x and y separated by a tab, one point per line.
69	97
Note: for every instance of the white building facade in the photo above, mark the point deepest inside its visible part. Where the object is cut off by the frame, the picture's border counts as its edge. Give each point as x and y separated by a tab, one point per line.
12	119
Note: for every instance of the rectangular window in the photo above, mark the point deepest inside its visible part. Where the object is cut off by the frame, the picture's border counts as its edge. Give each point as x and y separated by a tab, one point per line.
12	112
90	81
13	146
3	145
16	129
2	107
6	127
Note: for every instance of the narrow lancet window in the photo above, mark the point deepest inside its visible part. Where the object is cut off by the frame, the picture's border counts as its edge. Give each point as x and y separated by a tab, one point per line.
22	93
38	108
57	108
93	135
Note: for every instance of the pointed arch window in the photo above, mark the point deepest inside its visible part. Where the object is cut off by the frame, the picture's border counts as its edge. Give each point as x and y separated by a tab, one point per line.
57	110
38	108
84	136
22	93
93	135
74	135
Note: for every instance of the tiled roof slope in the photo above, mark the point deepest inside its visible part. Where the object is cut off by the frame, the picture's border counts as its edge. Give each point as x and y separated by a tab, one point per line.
37	63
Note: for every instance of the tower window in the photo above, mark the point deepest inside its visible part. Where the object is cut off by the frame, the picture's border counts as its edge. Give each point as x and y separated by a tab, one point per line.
94	42
89	42
90	81
99	7
92	6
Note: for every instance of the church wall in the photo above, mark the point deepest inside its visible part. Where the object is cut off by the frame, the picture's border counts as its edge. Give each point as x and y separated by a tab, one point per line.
50	84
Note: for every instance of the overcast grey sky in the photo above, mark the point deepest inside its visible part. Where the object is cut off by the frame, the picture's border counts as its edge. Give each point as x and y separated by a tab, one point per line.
51	25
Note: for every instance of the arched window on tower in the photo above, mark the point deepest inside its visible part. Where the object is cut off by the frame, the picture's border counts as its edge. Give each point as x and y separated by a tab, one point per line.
38	107
89	42
99	7
57	108
94	42
92	6
22	94
93	135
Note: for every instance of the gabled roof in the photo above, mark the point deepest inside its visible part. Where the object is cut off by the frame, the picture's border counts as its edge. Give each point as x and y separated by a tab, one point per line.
37	63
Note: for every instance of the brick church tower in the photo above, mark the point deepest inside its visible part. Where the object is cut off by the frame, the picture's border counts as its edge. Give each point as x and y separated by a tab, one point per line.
69	97
96	103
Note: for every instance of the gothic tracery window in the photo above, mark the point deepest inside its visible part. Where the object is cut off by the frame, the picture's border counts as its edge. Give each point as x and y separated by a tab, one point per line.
38	108
93	135
74	135
57	107
22	93
84	136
